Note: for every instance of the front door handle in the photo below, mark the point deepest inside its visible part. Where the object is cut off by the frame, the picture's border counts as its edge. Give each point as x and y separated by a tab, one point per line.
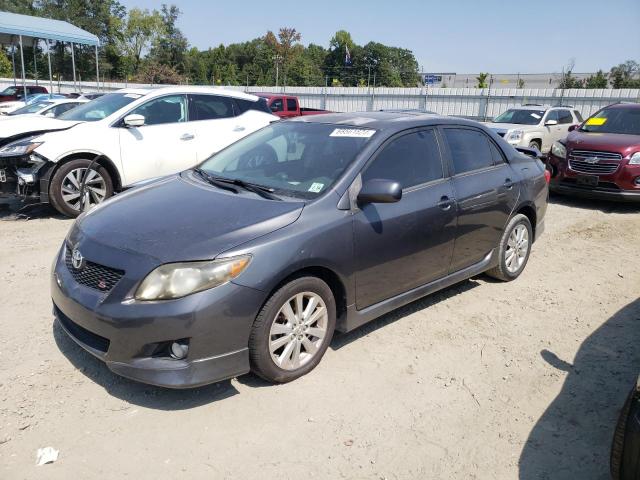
187	136
508	184
239	128
445	203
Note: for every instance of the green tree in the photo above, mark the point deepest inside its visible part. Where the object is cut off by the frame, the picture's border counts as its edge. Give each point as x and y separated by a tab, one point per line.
170	47
520	83
6	68
625	75
599	80
141	29
482	80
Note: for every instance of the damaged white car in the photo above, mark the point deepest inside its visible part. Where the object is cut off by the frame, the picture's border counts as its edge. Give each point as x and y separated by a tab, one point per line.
101	147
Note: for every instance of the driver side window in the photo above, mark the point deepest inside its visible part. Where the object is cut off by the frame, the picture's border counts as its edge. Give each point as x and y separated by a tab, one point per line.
169	109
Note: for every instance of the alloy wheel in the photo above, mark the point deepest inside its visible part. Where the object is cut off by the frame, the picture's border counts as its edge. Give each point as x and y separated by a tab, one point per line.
95	189
517	248
298	330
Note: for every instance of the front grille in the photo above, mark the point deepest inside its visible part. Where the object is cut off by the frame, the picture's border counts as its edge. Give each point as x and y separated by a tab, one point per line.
593	168
582	154
93	275
83	335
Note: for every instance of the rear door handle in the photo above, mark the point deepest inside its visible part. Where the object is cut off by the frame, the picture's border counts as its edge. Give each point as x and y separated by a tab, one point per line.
187	136
508	184
445	203
239	128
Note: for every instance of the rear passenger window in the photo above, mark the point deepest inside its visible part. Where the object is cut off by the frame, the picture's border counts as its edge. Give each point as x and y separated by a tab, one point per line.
469	149
496	153
411	160
277	105
210	107
565	116
291	104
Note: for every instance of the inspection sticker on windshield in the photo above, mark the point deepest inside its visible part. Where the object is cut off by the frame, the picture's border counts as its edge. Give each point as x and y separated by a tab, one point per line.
596	122
536	116
352	132
316	187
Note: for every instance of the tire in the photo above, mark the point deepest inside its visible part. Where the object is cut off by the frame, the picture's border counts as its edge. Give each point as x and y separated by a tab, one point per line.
535	144
507	271
281	349
63	190
625	449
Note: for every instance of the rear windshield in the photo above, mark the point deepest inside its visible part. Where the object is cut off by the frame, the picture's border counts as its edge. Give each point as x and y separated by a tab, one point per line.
294	158
521	117
614	120
31	108
100	108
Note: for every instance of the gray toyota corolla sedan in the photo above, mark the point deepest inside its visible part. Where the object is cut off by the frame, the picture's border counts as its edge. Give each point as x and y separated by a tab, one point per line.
323	223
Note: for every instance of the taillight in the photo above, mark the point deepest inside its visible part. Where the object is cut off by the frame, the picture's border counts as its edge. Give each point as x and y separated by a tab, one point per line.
547	175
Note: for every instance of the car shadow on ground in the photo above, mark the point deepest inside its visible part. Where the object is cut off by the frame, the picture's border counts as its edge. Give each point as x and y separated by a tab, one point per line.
573	437
134	392
606	206
14	210
340	340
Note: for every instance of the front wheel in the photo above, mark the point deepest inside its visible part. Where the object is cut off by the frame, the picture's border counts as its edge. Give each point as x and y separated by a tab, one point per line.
514	249
64	190
293	330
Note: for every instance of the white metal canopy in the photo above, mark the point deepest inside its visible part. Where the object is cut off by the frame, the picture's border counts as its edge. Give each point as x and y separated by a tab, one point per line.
23	28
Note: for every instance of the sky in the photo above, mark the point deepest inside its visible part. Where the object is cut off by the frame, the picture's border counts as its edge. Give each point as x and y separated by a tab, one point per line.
458	36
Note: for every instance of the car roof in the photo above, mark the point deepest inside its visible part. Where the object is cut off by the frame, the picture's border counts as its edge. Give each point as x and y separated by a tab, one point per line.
624	105
389	121
164	90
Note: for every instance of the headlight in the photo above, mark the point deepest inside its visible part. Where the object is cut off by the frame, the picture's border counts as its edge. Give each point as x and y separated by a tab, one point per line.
558	150
175	280
18	149
515	136
635	159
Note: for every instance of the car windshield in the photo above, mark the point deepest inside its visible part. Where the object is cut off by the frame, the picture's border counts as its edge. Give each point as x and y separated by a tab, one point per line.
100	107
614	120
31	108
520	116
293	158
9	91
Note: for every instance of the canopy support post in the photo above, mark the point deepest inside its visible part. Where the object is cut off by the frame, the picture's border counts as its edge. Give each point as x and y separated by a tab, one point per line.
24	80
73	64
50	75
35	62
13	61
97	71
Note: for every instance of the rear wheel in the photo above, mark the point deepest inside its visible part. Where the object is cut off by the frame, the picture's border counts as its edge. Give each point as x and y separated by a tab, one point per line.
64	190
514	249
293	330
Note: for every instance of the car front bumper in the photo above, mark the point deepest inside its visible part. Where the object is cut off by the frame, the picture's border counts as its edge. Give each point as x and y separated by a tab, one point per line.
594	193
130	336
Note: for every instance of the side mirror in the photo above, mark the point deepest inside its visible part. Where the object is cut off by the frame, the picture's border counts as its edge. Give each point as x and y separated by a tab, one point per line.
551	122
380	191
573	127
134	120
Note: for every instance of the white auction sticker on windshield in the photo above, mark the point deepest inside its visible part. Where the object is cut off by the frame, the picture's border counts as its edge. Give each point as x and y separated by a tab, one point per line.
132	95
536	116
316	187
352	132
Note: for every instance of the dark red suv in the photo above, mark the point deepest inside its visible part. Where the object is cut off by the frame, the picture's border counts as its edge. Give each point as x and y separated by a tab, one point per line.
16	92
600	158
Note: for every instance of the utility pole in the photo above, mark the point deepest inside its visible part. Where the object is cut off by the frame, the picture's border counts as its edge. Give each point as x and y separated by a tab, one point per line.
276	59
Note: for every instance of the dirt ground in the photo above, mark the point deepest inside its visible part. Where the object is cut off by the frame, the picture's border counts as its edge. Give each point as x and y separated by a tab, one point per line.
484	380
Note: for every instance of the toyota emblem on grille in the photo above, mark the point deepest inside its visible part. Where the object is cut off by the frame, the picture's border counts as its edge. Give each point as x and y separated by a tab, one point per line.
591	159
77	260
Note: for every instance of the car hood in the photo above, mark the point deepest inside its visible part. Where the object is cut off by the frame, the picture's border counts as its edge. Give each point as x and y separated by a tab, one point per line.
20	125
604	142
178	218
510	126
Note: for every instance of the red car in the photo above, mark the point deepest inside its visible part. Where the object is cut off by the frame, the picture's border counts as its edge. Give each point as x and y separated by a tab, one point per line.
16	92
287	106
601	157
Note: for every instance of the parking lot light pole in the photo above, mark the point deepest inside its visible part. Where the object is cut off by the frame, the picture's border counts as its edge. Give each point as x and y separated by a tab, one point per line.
49	61
73	65
97	71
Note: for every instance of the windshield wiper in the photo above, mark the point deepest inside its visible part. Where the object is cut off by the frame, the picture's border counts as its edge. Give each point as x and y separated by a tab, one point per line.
214	181
264	192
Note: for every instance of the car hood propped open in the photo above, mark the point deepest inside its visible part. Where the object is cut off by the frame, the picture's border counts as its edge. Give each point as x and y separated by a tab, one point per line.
180	219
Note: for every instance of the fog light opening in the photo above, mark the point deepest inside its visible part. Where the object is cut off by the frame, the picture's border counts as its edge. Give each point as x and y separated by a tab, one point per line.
179	349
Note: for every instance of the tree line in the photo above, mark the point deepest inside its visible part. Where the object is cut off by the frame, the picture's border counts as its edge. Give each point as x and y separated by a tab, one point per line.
147	46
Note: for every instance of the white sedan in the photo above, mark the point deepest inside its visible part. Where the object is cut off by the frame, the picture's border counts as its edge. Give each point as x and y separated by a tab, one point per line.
128	136
51	108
